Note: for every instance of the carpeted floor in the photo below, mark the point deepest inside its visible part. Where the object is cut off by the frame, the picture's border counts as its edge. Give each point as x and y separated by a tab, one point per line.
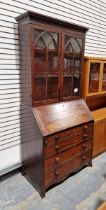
86	190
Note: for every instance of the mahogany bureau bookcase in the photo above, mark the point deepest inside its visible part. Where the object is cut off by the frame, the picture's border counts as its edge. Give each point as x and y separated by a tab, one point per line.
58	130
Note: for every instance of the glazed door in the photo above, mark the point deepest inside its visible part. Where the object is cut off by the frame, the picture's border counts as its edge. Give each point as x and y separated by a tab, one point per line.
104	78
46	65
94	77
71	66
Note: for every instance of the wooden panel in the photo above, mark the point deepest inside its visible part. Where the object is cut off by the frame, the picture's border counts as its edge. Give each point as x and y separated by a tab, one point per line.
104	142
99	143
102	207
96	102
99	114
98	138
56	117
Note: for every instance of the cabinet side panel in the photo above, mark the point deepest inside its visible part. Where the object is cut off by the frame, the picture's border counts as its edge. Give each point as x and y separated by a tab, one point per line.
31	148
96	102
25	63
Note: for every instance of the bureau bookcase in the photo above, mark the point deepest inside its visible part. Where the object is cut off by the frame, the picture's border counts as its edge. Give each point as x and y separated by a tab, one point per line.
58	137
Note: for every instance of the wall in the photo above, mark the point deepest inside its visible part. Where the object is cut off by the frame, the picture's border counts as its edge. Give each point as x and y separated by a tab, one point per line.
90	13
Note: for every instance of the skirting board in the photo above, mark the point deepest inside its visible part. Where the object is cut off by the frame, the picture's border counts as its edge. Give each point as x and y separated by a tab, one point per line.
10	168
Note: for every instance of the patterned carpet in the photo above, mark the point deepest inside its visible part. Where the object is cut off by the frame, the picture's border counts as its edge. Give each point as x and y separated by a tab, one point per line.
86	190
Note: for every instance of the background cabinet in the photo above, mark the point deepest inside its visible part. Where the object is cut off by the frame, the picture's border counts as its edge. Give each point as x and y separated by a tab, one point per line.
94	93
94	77
99	141
94	82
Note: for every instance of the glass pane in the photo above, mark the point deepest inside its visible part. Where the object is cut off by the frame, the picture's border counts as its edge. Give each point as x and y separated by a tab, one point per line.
46	57
50	40
94	77
68	56
40	88
67	87
52	89
68	65
40	43
76	85
68	45
53	52
52	61
36	34
77	65
79	42
104	78
75	45
40	61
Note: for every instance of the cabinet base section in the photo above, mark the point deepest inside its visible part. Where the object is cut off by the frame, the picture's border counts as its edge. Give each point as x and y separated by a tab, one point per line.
55	177
64	170
32	180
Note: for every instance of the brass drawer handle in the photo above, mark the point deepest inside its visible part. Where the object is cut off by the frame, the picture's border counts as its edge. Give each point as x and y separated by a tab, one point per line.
57	159
57	147
84	146
85	135
57	137
83	157
46	141
56	173
85	126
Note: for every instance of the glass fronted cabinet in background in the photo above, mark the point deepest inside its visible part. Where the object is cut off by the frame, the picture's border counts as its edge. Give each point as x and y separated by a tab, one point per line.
104	78
94	77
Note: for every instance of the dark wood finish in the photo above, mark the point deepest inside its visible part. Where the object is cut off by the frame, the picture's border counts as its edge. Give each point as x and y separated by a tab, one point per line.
39	17
50	118
99	142
51	58
57	139
62	142
96	102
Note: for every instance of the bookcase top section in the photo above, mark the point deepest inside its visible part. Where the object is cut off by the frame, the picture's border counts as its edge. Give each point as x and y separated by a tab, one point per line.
33	15
60	116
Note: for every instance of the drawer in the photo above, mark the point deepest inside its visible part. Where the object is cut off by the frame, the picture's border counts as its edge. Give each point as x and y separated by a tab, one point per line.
63	135
62	157
62	172
53	162
57	143
51	150
64	140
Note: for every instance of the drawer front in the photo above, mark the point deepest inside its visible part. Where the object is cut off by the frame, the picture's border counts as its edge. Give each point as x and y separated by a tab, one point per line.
63	135
53	149
62	172
49	150
61	158
57	143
